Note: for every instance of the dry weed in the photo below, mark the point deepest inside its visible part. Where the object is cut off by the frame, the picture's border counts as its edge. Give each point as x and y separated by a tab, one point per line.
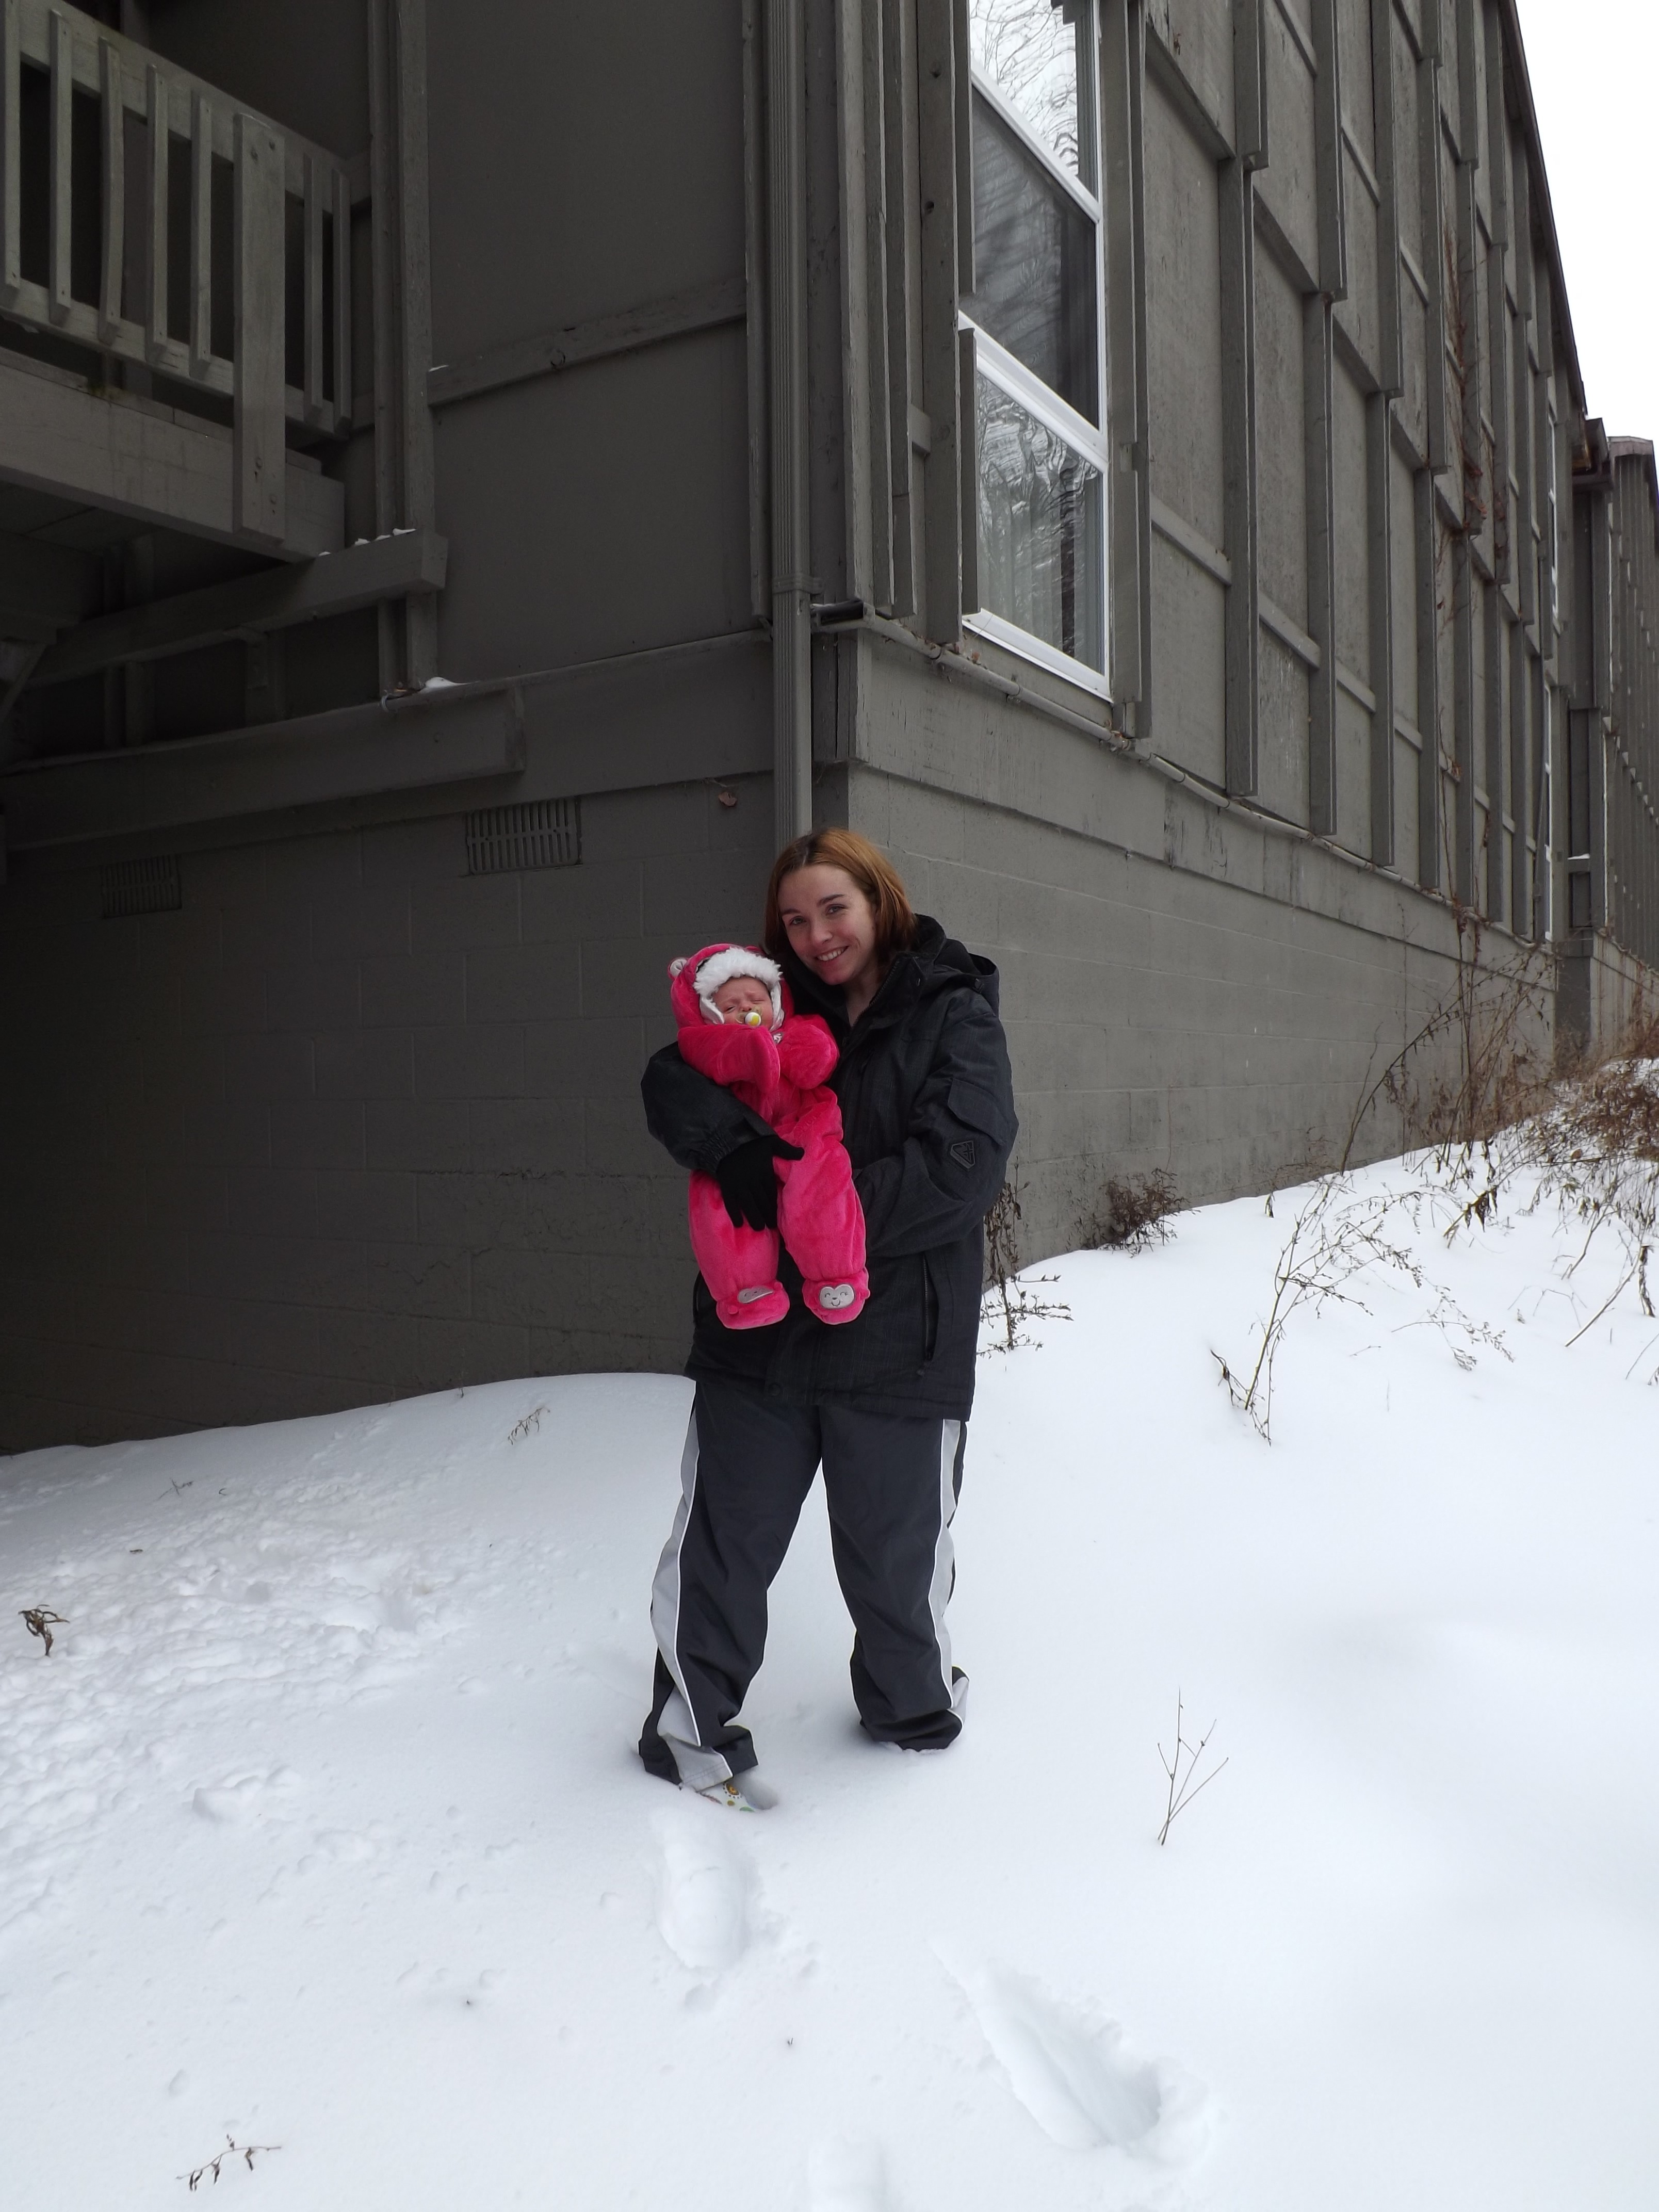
1133	1213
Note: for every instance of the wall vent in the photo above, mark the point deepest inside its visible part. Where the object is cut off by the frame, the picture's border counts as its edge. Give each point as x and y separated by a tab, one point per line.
151	886
532	833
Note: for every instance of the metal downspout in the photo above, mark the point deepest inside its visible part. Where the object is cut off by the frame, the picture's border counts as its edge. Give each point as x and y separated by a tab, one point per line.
786	270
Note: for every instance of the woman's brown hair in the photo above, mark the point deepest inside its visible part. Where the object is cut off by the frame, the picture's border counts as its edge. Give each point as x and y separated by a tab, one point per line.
870	869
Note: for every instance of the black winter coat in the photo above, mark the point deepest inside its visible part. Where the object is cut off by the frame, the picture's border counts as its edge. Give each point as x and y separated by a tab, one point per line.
927	1116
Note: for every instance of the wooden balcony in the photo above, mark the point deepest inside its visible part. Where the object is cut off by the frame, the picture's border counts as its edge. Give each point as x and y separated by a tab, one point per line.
154	220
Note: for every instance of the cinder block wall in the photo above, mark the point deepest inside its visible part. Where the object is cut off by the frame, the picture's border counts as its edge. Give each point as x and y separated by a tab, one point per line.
352	1123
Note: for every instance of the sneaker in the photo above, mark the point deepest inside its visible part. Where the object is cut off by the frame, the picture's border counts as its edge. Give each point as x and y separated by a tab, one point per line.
743	1793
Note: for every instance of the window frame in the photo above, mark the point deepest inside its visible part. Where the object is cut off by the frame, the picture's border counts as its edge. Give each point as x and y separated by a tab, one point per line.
1090	441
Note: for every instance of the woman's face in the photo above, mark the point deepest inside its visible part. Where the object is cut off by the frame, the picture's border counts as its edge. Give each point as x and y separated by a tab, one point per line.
829	924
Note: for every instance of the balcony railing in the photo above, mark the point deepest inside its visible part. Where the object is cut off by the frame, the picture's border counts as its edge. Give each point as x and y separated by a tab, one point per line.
148	215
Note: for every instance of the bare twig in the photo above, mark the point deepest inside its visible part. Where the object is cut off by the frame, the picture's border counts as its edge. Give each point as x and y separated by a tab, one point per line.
1008	1302
40	1621
526	1427
1182	1789
248	2152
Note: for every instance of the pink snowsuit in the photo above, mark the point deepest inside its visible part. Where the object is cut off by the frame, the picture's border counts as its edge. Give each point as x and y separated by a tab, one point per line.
781	1074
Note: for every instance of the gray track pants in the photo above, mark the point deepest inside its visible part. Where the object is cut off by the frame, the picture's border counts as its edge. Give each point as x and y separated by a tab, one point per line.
890	1484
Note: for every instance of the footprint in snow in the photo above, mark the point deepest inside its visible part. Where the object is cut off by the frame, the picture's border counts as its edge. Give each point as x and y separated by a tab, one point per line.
842	2175
1073	2073
704	1882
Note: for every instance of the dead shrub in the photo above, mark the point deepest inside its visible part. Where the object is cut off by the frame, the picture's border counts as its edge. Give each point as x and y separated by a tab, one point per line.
1133	1213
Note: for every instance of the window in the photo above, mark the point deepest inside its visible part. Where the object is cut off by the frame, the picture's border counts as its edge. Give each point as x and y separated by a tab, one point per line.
1035	310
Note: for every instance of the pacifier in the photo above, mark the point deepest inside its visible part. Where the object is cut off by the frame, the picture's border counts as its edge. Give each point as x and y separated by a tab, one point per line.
751	1019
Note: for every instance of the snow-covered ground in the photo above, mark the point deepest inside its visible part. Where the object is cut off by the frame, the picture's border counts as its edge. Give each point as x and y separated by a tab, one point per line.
320	1828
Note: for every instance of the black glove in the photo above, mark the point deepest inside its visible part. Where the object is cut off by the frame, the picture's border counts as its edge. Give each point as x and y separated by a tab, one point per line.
748	1184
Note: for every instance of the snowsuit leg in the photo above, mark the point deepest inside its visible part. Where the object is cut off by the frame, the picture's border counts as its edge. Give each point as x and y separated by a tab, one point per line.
891	1483
738	1264
819	1217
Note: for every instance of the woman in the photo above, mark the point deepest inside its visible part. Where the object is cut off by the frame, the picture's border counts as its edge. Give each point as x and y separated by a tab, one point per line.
927	1114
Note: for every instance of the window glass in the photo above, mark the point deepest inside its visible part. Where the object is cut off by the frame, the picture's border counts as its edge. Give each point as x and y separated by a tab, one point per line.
1034	262
1034	53
1040	530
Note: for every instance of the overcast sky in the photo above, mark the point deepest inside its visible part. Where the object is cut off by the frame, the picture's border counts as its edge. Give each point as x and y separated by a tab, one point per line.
1595	67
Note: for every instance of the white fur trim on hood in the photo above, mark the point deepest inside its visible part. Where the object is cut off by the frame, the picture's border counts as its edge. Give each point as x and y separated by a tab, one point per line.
738	960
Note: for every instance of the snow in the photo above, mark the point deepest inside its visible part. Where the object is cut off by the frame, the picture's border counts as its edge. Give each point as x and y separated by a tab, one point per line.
319	1828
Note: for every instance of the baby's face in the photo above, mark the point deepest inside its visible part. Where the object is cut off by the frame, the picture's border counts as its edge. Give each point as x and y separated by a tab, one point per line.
744	996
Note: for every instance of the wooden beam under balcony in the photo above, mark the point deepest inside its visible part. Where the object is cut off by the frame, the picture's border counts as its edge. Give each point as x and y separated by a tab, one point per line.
410	561
44	587
160	465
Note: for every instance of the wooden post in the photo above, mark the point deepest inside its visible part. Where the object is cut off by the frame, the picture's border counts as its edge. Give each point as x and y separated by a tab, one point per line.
11	265
259	504
57	230
112	118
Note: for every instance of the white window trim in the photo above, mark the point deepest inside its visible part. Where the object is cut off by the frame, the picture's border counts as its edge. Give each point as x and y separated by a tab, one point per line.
1038	650
1074	430
1055	169
1011	376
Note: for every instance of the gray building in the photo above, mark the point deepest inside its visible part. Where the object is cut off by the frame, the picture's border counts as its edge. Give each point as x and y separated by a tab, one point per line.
471	478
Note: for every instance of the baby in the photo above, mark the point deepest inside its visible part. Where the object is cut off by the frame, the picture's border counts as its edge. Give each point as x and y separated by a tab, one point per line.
738	1026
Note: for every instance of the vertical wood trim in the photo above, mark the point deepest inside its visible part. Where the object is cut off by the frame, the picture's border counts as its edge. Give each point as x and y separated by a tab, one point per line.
1251	82
1599	512
786	227
1429	858
1122	50
1468	90
968	385
342	243
316	185
58	211
1520	226
1244	622
880	455
1463	736
754	255
1434	247
1522	919
1328	153
1496	751
1391	373
936	113
415	351
856	384
383	235
1146	704
200	229
113	148
260	489
11	112
1317	430
156	304
902	194
1379	492
962	65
